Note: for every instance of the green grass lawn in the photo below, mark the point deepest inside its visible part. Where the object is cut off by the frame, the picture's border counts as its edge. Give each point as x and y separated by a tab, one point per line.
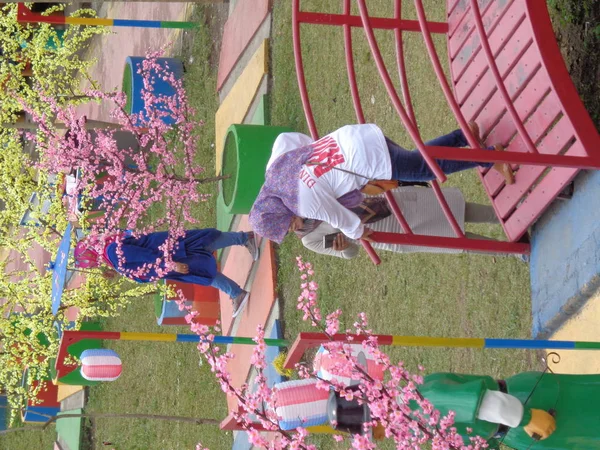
420	294
28	439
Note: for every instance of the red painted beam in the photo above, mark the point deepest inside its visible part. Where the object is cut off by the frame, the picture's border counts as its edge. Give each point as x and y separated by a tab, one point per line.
541	28
71	337
304	341
380	23
459	243
25	15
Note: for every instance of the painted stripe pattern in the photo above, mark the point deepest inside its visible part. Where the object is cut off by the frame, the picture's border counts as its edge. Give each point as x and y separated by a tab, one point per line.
299	403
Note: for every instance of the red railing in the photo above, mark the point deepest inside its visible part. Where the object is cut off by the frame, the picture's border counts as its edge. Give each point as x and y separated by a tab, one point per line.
406	113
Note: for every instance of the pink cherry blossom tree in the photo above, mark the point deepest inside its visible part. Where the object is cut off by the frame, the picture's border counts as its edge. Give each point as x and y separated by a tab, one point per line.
408	426
131	184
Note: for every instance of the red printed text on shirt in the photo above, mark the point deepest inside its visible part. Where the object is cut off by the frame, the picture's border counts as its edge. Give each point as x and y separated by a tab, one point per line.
307	179
325	156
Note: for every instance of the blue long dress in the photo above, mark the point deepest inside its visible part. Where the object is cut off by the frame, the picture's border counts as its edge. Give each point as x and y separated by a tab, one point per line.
190	250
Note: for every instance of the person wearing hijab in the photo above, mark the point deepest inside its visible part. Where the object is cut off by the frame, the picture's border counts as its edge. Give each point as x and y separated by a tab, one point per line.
322	180
194	262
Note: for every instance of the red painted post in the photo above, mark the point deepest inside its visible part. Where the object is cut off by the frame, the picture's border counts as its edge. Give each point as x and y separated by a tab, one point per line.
71	337
304	341
397	213
379	23
350	67
441	76
25	15
300	69
539	159
371	252
458	243
231	423
400	63
406	121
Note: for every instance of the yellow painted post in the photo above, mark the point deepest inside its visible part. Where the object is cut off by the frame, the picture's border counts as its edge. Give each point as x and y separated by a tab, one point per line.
323	429
156	337
89	21
424	341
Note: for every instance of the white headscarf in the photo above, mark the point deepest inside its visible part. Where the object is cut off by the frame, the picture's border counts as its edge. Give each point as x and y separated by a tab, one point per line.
286	142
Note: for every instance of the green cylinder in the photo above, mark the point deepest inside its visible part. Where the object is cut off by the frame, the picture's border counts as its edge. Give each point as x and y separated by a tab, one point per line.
247	151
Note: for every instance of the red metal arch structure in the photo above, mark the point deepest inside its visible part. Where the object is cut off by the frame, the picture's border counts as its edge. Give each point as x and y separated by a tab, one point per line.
508	75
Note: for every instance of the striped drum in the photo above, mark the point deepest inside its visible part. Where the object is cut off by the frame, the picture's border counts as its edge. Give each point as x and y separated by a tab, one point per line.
100	365
299	403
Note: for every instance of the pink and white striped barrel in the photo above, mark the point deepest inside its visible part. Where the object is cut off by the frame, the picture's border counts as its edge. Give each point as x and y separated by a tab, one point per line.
325	364
299	403
100	365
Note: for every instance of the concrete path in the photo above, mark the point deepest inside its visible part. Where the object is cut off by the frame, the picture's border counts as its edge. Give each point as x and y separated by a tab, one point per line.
583	326
74	401
565	274
565	259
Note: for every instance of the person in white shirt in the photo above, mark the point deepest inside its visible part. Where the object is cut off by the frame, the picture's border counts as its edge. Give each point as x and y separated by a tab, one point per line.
322	179
423	213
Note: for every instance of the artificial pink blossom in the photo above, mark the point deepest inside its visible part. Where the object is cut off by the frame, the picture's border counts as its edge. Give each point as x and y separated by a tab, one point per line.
129	182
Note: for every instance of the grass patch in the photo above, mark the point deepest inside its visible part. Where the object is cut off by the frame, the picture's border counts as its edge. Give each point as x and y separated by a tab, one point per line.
230	164
158	378
127	79
29	439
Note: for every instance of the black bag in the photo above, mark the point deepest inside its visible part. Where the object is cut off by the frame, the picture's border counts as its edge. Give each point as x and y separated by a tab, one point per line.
372	209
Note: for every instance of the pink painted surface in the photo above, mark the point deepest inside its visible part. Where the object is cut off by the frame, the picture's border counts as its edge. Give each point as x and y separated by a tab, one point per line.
537	124
465	29
72	313
262	298
237	267
240	28
112	50
475	63
557	138
542	94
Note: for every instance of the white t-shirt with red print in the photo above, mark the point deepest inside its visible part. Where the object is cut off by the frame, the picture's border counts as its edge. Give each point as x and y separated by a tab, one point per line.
360	149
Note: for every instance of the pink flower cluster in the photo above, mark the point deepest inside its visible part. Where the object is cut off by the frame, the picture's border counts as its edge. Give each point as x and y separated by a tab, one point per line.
398	411
128	183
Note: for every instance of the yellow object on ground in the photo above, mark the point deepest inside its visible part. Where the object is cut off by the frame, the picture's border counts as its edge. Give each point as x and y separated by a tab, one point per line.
66	390
234	108
127	336
323	429
584	326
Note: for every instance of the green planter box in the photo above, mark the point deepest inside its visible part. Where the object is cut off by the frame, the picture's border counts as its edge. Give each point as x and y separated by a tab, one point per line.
74	377
247	151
